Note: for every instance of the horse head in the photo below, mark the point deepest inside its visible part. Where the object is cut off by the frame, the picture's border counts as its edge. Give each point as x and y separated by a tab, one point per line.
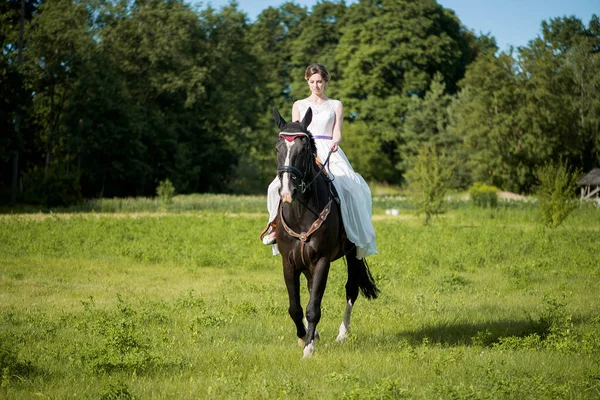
295	155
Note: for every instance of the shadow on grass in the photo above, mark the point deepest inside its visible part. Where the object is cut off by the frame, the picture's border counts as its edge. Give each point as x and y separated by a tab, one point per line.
467	334
470	334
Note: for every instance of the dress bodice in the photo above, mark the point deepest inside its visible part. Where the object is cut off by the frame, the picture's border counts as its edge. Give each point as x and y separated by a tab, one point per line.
323	118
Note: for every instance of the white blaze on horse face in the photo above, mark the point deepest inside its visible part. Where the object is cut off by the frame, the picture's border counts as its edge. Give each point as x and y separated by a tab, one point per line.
286	192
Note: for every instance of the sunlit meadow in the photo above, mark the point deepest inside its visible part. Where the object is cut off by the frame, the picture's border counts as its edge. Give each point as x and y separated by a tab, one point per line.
134	299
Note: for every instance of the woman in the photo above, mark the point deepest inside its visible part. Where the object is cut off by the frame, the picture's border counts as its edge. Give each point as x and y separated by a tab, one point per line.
354	193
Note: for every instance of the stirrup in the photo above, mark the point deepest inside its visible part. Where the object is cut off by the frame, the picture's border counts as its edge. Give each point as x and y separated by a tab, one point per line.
269	239
267	236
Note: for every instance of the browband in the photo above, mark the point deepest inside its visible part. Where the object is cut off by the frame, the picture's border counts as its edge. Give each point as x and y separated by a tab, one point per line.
291	136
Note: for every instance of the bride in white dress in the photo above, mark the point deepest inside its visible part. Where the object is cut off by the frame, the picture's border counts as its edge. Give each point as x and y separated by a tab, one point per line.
354	193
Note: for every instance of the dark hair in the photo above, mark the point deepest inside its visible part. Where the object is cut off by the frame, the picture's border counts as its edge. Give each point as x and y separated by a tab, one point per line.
317	69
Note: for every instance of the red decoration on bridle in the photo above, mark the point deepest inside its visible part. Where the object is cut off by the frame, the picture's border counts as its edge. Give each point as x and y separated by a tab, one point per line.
290	137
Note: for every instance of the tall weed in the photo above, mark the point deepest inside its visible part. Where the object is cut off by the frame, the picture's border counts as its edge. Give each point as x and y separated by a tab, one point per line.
557	184
429	180
118	343
165	192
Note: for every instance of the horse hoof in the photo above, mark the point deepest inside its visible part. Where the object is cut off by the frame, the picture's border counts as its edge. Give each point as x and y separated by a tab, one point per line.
309	350
301	341
343	334
341	338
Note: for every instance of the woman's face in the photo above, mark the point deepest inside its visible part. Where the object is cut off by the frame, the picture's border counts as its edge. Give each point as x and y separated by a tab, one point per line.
317	84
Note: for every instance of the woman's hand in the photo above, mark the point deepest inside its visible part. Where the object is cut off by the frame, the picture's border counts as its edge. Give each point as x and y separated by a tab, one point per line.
334	147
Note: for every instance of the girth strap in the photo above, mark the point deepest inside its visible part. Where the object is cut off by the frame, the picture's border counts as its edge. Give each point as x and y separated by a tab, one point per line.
304	236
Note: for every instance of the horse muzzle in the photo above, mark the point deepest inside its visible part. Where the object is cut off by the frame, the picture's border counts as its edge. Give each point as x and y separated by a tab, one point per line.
288	196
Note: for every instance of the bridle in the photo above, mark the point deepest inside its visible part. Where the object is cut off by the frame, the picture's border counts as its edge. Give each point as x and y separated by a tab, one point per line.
296	172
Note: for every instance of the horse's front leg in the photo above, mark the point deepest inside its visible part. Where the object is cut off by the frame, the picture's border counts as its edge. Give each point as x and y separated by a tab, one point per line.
313	309
292	282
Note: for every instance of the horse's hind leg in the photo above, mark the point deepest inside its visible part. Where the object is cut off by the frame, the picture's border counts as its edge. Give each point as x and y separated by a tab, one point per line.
354	266
292	282
313	309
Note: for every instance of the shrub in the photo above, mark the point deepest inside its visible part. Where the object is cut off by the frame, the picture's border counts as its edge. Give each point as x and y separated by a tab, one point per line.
557	184
51	188
117	391
11	368
429	181
116	342
483	195
165	192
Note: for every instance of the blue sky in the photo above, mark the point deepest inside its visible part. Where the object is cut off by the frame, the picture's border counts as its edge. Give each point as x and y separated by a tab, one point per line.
511	22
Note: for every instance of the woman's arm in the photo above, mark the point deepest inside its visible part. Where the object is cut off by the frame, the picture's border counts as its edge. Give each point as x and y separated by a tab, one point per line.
337	126
295	112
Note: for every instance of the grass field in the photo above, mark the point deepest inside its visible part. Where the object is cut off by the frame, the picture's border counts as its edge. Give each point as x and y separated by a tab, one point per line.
130	299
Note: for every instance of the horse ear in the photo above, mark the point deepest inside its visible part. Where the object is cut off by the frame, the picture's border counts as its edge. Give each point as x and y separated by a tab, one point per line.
279	121
307	119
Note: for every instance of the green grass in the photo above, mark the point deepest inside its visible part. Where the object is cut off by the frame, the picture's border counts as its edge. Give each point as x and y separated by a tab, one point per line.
187	304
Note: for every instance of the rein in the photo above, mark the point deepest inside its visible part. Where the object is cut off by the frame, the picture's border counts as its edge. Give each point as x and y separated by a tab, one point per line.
322	169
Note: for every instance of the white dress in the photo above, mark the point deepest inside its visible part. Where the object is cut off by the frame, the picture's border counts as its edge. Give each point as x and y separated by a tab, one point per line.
354	193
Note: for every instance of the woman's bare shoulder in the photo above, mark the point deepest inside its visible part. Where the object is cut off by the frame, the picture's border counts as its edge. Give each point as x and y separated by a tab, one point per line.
337	104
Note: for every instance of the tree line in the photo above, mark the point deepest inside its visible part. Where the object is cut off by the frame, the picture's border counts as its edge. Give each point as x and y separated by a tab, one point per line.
104	98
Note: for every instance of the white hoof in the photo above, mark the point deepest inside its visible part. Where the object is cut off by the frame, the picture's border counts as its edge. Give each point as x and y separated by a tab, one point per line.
343	334
309	350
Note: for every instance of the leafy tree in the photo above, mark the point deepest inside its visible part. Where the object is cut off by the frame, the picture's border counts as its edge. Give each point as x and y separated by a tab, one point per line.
157	51
318	38
515	113
426	122
429	181
363	150
57	41
271	38
113	97
234	103
484	116
104	144
575	52
389	52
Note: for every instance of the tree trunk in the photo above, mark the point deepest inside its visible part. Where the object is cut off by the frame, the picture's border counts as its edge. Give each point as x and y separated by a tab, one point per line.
15	171
50	129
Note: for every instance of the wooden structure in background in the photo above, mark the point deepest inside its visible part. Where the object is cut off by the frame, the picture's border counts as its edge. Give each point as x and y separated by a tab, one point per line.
590	184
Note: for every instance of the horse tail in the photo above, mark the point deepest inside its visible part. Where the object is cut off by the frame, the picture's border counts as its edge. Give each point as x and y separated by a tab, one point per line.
366	283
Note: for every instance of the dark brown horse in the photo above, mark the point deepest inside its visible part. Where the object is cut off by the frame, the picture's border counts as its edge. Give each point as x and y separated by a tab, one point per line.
309	231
